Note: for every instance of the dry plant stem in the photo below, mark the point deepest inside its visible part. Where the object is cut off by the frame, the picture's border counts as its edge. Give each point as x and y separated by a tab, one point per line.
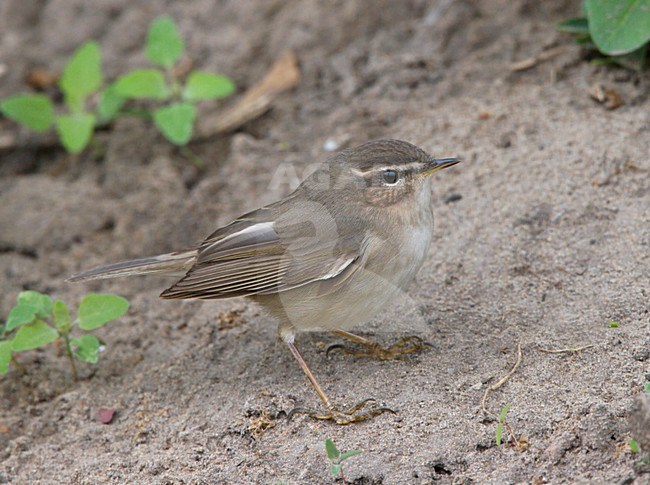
530	62
497	385
283	75
68	352
567	350
502	381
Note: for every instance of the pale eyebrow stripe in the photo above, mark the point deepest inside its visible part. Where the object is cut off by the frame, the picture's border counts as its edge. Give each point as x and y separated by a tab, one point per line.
378	168
360	173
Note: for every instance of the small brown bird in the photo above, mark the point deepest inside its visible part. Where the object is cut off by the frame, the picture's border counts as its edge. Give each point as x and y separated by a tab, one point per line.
329	256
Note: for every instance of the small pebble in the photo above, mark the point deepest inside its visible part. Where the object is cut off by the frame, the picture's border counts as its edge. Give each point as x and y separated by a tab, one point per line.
330	145
105	416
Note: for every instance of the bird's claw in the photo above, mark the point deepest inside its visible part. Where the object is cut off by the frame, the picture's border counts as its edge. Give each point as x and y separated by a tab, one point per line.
353	414
397	351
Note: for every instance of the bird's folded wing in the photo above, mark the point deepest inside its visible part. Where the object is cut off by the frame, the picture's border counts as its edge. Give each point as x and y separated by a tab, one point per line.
257	256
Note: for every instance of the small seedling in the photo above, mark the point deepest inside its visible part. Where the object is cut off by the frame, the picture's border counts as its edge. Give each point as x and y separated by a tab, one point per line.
81	77
619	29
502	420
337	458
175	119
636	449
634	446
89	106
37	321
613	324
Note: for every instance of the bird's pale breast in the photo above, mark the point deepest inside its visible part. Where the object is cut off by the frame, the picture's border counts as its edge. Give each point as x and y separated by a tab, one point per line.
389	265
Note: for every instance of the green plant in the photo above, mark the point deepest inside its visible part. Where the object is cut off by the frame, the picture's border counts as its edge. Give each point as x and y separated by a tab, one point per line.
337	458
37	321
634	446
619	29
88	106
502	420
81	77
636	449
175	119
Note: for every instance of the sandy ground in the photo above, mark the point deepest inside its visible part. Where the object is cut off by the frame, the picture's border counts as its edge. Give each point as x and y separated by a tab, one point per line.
542	237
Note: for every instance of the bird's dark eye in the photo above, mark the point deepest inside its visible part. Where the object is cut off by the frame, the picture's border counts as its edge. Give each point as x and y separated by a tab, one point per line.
390	176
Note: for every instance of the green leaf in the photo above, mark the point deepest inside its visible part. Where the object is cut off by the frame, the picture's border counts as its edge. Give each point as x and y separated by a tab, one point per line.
331	449
82	75
205	85
33	110
62	317
20	315
110	103
646	388
42	303
95	310
348	454
30	305
634	446
5	356
504	411
613	324
142	84
86	348
33	335
175	121
619	26
577	25
499	433
75	130
164	44
335	469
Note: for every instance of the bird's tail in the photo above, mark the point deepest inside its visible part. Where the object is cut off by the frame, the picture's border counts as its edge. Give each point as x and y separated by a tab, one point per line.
164	264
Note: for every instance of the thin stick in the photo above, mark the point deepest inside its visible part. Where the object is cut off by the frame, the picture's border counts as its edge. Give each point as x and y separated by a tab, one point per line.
567	350
502	381
497	385
543	56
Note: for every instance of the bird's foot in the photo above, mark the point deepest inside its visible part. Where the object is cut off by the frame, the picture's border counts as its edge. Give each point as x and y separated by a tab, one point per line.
398	350
362	411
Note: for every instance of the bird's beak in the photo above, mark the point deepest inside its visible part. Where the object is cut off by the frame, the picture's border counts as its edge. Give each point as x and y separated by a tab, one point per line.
435	164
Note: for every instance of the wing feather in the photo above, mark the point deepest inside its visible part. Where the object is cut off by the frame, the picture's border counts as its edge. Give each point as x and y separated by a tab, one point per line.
256	256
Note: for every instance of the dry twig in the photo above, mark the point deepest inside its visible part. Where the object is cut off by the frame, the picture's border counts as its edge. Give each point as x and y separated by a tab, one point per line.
521	443
568	350
283	75
501	381
531	62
